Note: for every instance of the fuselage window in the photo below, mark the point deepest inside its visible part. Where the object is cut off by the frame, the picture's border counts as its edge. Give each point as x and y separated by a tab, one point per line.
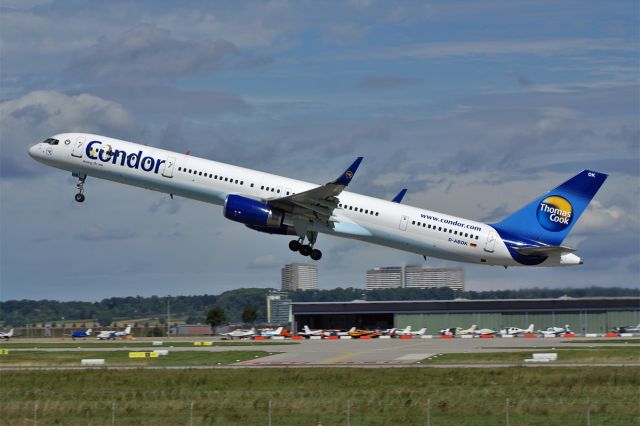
350	207
189	170
241	182
262	187
236	181
273	190
413	222
477	237
376	213
424	225
200	173
179	169
226	179
287	192
466	234
252	185
439	228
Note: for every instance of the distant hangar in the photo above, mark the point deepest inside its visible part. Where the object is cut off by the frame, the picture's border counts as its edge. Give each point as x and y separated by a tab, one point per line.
584	315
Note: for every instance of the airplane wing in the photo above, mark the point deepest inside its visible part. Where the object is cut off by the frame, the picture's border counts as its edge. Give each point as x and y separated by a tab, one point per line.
544	250
317	204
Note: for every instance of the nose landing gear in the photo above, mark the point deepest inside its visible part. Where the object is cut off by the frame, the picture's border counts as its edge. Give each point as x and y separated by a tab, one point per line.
80	185
306	249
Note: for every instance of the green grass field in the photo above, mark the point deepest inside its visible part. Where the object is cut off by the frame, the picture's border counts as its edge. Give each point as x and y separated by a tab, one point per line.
113	358
595	354
130	344
537	396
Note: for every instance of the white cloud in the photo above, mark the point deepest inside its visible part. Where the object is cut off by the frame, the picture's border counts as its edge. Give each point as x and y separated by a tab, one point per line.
38	115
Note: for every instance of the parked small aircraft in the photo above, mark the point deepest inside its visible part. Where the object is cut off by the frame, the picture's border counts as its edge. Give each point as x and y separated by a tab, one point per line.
627	329
357	333
515	331
113	334
272	332
483	332
81	334
555	331
307	332
8	335
241	333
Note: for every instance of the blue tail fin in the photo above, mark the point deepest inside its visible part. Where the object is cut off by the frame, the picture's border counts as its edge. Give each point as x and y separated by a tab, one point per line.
549	218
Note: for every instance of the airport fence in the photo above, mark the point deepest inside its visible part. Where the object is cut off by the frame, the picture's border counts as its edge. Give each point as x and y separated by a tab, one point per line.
220	409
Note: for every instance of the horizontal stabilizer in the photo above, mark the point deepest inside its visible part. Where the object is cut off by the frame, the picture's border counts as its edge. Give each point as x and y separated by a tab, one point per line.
544	250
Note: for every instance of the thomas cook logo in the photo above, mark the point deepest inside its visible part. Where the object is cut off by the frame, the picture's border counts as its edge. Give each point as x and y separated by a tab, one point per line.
555	213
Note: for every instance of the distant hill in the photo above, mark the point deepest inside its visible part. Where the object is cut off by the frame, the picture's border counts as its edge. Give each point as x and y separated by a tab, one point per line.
193	309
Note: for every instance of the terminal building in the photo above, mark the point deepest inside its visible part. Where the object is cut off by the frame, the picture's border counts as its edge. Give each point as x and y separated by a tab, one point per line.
583	315
414	276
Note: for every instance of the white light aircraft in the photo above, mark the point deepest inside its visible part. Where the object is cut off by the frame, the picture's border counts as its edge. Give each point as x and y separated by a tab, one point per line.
307	332
274	204
270	333
8	335
627	329
471	330
125	332
106	335
555	331
240	333
483	331
515	331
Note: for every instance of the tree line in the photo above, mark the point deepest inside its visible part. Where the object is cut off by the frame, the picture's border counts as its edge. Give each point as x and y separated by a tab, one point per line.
234	303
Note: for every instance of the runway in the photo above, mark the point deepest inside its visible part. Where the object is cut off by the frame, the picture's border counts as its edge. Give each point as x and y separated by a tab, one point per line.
367	353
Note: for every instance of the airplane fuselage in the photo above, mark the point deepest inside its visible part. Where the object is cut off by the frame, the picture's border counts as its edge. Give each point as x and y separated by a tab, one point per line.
357	216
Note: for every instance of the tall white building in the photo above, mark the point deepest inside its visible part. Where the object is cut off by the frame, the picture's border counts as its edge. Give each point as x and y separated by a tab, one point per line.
415	276
299	276
384	277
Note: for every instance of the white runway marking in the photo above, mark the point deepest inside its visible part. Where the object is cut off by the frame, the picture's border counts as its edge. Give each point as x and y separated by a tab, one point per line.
413	357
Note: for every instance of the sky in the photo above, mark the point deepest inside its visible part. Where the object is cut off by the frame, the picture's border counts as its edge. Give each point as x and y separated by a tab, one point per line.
475	107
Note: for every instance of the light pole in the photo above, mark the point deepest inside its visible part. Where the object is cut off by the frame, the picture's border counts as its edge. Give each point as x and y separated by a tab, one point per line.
168	317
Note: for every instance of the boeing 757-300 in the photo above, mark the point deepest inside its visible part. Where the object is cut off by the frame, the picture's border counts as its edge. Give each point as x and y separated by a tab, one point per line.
274	204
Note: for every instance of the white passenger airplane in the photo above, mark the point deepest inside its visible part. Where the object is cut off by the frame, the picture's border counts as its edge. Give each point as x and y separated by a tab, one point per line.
278	205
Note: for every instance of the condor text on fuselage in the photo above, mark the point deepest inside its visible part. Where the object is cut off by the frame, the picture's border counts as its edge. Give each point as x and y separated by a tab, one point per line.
279	205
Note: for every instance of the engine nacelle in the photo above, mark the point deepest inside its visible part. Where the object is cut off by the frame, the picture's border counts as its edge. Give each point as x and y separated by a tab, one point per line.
282	230
251	212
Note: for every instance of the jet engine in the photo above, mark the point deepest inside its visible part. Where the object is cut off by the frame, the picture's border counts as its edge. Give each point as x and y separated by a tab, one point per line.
253	213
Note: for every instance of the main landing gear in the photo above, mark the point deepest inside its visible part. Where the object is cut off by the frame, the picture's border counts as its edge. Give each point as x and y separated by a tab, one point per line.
80	185
305	249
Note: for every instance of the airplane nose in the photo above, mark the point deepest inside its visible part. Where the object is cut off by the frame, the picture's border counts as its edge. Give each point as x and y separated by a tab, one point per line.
34	151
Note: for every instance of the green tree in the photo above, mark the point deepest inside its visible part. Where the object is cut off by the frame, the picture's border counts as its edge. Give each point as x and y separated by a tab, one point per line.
249	314
216	317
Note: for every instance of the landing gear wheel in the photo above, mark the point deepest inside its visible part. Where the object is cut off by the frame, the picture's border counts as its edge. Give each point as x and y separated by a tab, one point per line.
80	185
305	250
294	245
316	254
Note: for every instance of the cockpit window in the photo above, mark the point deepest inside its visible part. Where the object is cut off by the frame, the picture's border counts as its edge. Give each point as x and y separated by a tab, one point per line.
52	141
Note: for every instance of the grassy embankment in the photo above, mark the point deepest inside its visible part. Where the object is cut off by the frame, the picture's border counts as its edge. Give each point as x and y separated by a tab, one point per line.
595	354
549	396
117	358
